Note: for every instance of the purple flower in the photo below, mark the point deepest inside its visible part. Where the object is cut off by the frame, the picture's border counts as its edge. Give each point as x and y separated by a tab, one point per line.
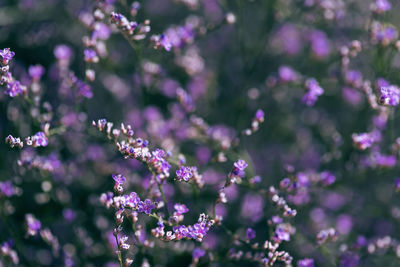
119	180
33	224
198	253
63	52
7	251
69	215
39	139
390	33
14	141
276	219
363	140
285	182
185	99
238	168
84	89
259	115
361	241
320	44
165	166
344	224
389	96
383	6
196	231
328	234
184	173
14	89
36	72
6	54
288	38
255	180
165	42
352	96
382	82
314	90
241	165
147	206
90	55
302	180
309	99
384	34
102	31
287	74
327	178
387	161
282	233
180	208
252	207
250	234
179	36
7	189
305	263
159	163
162	41
133	200
396	184
350	260
159	154
354	78
116	17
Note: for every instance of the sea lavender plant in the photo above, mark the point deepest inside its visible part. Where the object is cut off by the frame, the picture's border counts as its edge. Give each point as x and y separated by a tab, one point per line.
240	133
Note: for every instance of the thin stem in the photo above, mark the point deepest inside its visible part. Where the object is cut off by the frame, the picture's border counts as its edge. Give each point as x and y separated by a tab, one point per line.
57	130
163	197
214	206
119	253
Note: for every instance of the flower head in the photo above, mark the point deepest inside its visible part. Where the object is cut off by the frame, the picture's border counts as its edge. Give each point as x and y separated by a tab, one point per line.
282	233
241	165
198	253
397	184
287	74
6	54
84	89
63	52
119	180
382	6
180	208
363	141
36	72
314	91
7	189
91	56
33	224
14	88
146	206
320	44
389	95
39	139
184	173
250	234
260	115
327	178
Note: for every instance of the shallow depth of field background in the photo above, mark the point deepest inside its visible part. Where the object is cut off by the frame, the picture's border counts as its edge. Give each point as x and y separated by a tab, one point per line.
230	70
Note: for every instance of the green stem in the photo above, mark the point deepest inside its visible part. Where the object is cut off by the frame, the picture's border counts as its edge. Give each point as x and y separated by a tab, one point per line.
119	252
163	197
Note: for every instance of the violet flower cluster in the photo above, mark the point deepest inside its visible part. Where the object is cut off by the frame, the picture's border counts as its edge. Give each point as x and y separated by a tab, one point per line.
199	133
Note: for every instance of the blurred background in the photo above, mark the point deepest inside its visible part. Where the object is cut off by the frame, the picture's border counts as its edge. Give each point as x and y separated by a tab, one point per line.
231	58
